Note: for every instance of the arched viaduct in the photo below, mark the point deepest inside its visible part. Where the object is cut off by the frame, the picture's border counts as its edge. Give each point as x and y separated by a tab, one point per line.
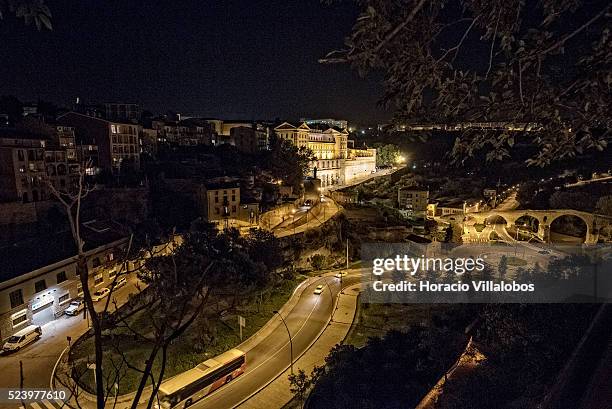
594	223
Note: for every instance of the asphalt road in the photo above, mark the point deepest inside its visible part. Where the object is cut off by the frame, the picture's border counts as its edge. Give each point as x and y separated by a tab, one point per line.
265	361
510	203
304	219
39	358
271	356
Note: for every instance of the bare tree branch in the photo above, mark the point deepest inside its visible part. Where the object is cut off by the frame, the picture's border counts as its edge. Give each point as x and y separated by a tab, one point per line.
388	37
575	32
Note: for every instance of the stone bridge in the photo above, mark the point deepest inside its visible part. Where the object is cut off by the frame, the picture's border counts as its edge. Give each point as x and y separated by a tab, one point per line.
594	222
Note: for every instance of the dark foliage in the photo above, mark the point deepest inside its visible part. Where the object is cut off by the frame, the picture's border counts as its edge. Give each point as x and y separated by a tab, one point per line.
522	62
392	372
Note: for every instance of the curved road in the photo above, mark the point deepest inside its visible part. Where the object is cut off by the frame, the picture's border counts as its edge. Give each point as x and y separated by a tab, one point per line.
266	358
270	357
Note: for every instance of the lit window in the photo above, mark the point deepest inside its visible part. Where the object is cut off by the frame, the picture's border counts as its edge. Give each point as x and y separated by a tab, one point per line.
64	299
19	320
98	279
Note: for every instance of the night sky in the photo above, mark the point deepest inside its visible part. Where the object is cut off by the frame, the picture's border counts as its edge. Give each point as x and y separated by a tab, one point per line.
224	58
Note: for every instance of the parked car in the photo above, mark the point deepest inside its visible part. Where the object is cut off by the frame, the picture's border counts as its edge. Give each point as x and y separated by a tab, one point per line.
76	306
121	281
101	293
340	274
319	289
22	338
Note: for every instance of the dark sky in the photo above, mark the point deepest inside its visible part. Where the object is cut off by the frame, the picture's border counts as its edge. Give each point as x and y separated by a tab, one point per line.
225	58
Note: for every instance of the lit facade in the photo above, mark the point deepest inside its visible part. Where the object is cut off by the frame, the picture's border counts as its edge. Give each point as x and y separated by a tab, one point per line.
335	162
413	199
220	201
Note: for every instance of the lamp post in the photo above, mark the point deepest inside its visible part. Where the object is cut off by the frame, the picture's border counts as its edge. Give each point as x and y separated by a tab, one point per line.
293	220
290	339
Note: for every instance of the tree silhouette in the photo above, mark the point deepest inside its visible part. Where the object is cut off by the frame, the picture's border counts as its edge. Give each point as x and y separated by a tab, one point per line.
541	69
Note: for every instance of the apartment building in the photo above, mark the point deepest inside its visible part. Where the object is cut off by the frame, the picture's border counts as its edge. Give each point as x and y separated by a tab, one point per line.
187	132
58	173
122	112
220	200
117	144
413	199
22	166
249	139
63	137
39	278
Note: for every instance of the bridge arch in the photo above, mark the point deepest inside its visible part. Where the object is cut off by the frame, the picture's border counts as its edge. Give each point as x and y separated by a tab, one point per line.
496	219
528	221
569	227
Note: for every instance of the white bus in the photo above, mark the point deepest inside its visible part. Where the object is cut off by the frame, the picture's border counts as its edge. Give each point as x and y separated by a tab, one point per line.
185	389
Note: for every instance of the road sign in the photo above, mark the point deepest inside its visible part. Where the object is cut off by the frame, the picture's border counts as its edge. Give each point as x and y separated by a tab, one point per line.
93	367
241	323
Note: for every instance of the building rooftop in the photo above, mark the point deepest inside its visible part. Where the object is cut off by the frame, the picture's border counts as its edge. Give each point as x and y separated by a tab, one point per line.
13	133
221	185
93	118
418	239
414	189
28	255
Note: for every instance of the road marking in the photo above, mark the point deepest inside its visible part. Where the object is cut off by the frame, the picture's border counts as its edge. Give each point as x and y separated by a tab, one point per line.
206	398
293	335
48	404
45	404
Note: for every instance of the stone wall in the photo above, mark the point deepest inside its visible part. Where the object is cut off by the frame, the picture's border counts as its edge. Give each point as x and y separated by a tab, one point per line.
358	168
21	220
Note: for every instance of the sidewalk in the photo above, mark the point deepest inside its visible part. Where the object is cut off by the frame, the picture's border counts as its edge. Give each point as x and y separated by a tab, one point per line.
276	394
467	362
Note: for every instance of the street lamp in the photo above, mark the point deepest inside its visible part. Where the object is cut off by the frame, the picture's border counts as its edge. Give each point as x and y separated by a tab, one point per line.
290	339
293	220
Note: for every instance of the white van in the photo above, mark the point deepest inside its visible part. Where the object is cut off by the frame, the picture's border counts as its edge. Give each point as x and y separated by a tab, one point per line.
22	338
121	281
